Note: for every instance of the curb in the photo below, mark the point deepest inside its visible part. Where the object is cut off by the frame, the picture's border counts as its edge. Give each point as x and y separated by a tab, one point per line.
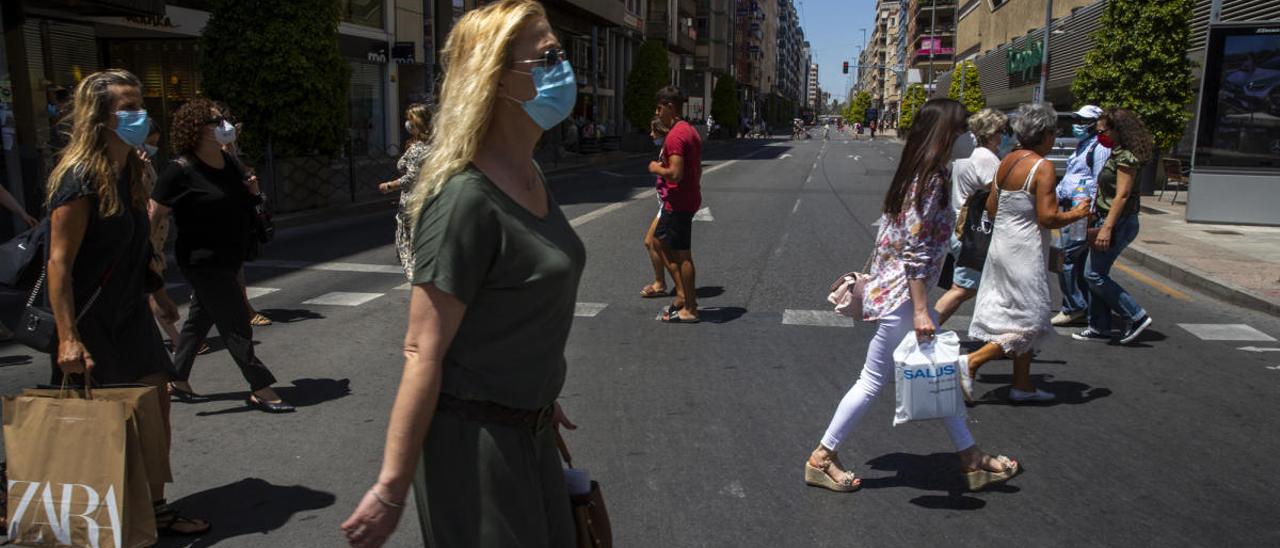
1200	280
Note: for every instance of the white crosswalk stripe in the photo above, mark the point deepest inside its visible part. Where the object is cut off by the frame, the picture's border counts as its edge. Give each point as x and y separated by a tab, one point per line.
703	215
255	292
328	266
818	318
588	310
343	298
1225	332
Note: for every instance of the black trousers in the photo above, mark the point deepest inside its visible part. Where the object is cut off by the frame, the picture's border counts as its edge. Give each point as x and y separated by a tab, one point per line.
218	299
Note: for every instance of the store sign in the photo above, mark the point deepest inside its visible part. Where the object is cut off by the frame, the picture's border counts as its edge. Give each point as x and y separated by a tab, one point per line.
402	53
1023	62
377	54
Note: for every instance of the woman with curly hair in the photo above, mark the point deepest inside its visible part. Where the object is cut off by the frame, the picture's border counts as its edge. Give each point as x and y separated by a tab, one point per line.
204	188
99	252
1122	131
417	121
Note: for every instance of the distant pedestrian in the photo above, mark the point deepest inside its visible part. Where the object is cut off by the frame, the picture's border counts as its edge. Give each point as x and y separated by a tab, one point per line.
1013	308
417	122
99	247
206	191
969	176
909	248
495	279
680	188
1084	167
1122	131
657	288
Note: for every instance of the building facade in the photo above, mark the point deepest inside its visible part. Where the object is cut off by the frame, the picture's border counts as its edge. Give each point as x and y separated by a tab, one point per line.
931	38
812	93
883	77
713	57
792	59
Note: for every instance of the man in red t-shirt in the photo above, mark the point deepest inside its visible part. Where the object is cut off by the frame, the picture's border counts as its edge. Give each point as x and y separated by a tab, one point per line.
680	188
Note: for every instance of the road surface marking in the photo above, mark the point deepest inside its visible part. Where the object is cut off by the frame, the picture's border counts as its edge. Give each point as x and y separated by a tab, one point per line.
1225	332
343	298
1257	349
703	215
819	318
255	292
404	286
596	214
1153	283
876	223
588	310
796	207
784	156
330	266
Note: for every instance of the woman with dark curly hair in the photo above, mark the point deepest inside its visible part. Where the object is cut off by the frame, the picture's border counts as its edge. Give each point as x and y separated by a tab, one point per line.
205	189
1131	146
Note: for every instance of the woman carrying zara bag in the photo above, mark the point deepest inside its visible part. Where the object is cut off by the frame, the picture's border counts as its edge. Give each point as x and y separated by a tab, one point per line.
915	230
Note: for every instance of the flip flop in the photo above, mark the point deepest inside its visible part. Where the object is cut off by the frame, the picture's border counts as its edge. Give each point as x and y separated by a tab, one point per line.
673	316
982	478
648	292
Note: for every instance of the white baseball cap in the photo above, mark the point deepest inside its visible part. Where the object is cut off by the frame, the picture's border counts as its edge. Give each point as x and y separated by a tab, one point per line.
1090	112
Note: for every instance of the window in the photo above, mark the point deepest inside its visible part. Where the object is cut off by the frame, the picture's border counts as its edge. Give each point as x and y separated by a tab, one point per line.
366	13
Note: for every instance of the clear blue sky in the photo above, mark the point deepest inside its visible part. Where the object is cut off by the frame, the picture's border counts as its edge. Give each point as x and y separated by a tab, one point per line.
832	29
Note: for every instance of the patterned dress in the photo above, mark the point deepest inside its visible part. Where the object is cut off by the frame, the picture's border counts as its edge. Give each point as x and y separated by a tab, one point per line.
408	165
909	246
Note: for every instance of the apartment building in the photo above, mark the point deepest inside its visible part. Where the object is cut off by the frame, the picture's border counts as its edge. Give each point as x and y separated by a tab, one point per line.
883	80
931	37
713	56
792	59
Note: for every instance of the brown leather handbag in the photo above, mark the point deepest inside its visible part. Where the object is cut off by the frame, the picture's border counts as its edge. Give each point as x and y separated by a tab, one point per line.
590	516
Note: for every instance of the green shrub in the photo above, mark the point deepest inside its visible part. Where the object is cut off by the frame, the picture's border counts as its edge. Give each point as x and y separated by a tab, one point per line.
650	73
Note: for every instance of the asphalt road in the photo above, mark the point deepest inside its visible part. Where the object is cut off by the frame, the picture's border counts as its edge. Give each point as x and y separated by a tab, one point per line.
698	432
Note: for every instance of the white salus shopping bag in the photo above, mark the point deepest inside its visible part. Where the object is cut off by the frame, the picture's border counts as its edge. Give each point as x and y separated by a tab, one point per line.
927	378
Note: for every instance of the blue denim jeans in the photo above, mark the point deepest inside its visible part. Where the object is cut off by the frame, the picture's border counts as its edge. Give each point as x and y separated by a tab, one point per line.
1075	290
1107	295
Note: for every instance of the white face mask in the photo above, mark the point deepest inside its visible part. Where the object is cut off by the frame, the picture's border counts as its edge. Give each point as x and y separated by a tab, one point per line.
408	126
225	133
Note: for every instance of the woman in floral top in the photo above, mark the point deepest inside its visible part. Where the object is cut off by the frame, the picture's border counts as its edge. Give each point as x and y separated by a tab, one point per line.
418	124
910	246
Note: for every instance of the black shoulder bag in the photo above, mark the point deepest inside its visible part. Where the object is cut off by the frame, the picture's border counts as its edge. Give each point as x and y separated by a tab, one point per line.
36	328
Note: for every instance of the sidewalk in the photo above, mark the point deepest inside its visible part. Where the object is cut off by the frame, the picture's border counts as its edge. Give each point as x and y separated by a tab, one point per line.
1239	264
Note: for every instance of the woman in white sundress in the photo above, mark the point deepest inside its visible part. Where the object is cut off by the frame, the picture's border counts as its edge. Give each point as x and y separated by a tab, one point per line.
1014	307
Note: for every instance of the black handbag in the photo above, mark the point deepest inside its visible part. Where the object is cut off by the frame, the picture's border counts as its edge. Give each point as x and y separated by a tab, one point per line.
976	237
36	328
19	255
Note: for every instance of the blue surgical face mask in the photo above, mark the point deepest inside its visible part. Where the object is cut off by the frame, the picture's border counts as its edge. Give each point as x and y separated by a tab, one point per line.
1080	131
151	150
658	142
557	93
132	127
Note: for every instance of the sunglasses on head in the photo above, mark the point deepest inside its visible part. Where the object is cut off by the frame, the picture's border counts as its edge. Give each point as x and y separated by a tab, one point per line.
549	58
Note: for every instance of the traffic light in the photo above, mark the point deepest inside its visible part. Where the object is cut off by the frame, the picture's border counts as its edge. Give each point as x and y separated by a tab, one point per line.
846	67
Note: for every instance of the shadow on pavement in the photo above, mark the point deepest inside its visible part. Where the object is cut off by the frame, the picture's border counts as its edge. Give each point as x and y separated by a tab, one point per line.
303	393
935	472
250	506
724	314
708	292
1067	392
290	315
17	359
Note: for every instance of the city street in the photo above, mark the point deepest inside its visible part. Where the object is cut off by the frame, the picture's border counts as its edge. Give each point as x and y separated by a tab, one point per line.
698	433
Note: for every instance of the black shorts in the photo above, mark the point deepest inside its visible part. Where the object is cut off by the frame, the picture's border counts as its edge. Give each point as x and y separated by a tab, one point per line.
675	229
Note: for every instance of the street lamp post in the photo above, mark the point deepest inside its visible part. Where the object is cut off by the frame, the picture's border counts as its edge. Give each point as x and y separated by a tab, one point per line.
933	43
1044	54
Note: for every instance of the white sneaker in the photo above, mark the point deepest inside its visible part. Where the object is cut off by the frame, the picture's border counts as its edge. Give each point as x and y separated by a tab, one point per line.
1037	396
1064	318
966	381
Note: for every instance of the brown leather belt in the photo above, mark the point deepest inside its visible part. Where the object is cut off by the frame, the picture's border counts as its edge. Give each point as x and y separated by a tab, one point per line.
483	411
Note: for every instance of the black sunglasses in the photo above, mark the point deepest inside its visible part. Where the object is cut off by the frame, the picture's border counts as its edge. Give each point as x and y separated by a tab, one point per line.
549	59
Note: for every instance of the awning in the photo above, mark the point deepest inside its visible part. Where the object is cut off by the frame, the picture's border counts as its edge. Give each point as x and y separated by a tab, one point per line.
104	7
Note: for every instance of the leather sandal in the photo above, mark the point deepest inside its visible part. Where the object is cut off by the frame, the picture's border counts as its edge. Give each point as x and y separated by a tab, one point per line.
982	478
818	477
268	406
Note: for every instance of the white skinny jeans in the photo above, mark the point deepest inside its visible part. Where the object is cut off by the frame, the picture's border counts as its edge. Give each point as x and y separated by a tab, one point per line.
878	371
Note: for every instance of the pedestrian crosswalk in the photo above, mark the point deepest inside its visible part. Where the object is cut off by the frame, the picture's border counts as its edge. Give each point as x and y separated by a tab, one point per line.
343	298
1226	332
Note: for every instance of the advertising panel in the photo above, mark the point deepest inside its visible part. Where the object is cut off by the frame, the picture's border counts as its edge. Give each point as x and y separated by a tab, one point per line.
1239	118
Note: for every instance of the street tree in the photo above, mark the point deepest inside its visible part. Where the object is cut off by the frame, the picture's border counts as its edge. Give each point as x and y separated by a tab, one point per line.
1139	62
650	73
965	76
911	103
278	67
858	108
725	104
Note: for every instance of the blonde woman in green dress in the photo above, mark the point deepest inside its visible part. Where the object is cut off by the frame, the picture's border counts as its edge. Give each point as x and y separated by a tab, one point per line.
496	272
